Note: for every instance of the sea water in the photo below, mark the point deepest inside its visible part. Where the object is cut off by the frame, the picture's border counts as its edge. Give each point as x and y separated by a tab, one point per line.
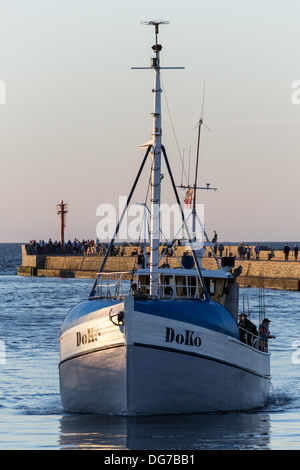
31	414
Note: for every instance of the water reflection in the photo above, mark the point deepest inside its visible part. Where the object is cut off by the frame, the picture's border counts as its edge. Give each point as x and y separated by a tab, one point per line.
230	431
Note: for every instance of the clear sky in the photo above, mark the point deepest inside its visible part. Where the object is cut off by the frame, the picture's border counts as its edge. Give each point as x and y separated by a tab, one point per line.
76	114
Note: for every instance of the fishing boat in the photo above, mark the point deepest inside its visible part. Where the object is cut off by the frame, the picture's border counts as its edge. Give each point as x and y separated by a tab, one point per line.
160	340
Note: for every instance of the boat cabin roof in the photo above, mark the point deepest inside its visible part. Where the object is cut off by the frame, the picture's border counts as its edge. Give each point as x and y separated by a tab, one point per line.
206	273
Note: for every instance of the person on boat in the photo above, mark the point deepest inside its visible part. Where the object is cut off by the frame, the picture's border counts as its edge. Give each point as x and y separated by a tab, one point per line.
264	335
248	331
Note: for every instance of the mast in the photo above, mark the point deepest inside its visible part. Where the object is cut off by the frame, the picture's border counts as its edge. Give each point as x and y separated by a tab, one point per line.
197	164
156	171
156	162
155	149
195	187
195	183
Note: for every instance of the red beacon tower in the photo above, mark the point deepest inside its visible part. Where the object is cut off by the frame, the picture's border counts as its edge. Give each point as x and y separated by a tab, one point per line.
62	210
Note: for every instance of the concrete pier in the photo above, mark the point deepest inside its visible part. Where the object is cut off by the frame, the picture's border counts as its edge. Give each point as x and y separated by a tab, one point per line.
277	273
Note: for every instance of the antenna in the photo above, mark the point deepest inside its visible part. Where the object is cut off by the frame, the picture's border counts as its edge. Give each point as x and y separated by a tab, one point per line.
155	23
199	124
197	160
198	149
182	168
157	47
190	151
201	120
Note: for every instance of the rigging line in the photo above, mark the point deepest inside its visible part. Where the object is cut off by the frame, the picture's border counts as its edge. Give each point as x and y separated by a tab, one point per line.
198	152
145	203
146	198
173	128
204	288
93	291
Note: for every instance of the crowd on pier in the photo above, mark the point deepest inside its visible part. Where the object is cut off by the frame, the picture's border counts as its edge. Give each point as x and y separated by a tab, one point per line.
247	251
96	248
76	247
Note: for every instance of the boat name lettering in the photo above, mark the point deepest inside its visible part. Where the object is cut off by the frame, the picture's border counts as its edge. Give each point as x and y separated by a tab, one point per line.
89	337
188	338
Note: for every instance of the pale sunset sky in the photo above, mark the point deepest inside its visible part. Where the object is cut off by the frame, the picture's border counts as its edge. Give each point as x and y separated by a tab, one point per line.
75	114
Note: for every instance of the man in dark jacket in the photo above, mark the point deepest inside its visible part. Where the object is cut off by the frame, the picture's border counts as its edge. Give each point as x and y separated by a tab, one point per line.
248	331
286	251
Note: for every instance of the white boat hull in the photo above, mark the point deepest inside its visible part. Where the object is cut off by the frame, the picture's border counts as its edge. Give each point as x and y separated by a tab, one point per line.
157	365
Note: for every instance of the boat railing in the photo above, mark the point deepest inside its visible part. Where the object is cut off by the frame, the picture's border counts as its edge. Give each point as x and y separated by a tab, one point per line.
253	340
115	285
174	287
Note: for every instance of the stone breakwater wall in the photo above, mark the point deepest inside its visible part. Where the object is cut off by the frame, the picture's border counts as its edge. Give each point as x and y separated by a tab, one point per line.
275	273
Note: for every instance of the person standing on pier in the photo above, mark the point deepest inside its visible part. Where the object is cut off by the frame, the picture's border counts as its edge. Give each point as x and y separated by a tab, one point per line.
241	250
296	252
286	251
256	249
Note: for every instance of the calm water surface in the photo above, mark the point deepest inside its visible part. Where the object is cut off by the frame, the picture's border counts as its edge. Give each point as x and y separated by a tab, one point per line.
31	415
